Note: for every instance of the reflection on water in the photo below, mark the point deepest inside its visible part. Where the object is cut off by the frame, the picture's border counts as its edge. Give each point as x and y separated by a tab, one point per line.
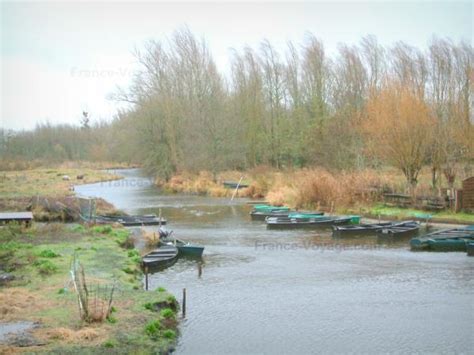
282	292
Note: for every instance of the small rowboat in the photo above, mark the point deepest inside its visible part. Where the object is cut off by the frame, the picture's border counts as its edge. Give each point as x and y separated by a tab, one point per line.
455	239
315	222
402	229
234	185
186	248
189	249
359	229
261	212
283	212
161	257
262	215
132	221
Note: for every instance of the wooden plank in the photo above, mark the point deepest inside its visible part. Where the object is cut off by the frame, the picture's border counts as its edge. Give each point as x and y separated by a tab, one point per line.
16	216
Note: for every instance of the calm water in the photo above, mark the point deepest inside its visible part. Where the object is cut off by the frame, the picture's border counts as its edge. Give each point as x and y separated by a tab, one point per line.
299	292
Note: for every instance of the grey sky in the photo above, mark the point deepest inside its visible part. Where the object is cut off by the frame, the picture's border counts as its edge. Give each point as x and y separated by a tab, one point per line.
60	58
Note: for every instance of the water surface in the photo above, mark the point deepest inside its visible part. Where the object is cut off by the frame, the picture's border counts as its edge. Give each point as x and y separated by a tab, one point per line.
301	292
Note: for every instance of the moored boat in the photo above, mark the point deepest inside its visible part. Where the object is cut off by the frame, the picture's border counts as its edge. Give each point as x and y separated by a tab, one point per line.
184	248
189	249
163	256
315	222
401	229
359	229
234	185
455	239
262	215
132	221
261	212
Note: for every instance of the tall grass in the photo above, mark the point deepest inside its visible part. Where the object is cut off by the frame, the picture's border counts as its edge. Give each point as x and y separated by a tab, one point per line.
314	188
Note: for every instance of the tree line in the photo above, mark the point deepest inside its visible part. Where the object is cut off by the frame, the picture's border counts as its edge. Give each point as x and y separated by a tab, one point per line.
367	105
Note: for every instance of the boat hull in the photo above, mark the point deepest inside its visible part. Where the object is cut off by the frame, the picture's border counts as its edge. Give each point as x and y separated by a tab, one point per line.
190	250
162	257
456	239
311	223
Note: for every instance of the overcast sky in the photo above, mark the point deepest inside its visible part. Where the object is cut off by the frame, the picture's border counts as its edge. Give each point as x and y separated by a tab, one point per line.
58	59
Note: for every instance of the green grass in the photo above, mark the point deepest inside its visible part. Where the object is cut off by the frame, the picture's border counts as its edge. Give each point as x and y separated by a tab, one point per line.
47	279
167	313
152	329
48	253
46	267
47	182
405	213
169	334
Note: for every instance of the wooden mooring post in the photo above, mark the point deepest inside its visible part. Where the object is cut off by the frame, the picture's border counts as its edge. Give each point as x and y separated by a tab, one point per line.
146	278
199	270
183	305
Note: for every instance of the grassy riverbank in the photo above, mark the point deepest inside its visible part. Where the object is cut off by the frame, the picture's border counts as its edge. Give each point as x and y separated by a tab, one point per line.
48	192
40	259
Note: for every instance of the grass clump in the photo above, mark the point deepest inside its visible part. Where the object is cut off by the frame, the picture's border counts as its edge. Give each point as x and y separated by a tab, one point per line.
161	289
78	229
152	329
167	313
169	334
105	229
111	319
109	344
48	253
45	267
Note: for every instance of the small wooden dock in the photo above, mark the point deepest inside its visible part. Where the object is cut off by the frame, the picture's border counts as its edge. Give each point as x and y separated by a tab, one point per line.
19	217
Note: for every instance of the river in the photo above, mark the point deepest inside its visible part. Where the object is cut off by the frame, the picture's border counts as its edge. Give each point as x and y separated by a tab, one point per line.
301	292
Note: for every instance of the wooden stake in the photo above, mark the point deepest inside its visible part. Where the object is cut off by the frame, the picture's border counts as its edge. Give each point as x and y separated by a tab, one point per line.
184	303
146	278
236	189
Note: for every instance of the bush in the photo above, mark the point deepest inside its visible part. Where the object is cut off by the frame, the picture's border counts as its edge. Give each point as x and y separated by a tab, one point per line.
161	289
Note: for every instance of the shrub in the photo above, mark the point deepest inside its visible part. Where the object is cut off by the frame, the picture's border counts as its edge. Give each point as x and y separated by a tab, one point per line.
161	289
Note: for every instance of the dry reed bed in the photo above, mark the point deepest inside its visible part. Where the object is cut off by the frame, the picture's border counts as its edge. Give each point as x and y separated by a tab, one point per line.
306	188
